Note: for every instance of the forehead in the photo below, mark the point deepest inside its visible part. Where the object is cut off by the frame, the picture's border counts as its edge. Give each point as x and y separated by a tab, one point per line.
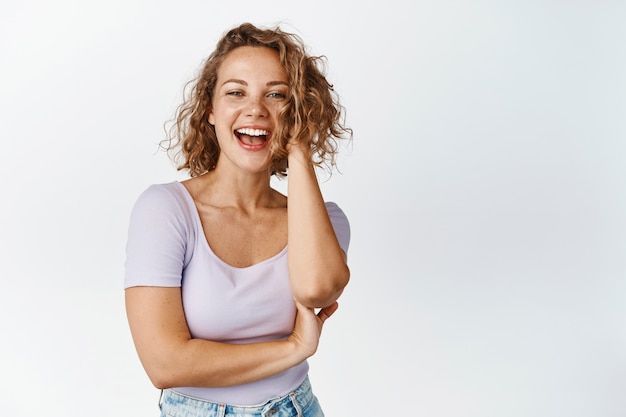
252	62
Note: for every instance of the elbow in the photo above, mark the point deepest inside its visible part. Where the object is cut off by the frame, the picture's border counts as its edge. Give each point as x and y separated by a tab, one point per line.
163	376
160	379
323	290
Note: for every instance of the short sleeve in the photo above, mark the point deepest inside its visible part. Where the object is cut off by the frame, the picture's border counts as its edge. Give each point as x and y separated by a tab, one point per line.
341	225
158	236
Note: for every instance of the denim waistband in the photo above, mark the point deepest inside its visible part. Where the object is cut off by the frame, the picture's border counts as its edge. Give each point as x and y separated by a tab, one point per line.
174	404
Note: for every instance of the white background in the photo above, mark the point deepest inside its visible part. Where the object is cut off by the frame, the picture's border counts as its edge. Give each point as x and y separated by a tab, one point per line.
486	188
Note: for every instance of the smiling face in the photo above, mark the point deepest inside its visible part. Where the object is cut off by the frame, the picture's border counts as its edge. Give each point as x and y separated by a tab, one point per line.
251	87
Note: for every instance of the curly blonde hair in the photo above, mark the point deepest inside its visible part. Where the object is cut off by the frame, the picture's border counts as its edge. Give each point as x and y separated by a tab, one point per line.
312	114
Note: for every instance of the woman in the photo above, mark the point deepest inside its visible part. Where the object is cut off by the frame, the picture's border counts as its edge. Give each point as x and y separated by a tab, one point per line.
223	317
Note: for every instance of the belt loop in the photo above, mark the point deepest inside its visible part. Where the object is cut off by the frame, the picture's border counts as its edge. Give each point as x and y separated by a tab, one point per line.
161	401
294	401
267	410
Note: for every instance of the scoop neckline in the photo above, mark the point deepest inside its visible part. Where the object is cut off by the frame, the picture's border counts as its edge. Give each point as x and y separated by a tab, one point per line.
199	229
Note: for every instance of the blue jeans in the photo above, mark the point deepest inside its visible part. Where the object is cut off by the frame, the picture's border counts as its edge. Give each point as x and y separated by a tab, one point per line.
300	403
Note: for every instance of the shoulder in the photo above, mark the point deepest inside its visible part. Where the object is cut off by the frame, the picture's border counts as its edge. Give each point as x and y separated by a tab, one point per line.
333	207
172	191
164	203
334	211
161	237
340	223
162	197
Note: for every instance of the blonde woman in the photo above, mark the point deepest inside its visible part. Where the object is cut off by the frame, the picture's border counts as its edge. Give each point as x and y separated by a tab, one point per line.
229	282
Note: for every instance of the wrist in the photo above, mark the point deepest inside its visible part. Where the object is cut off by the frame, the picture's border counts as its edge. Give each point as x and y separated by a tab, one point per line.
299	152
296	350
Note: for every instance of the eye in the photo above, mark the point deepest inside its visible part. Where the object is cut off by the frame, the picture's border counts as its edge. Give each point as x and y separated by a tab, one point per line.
235	93
276	95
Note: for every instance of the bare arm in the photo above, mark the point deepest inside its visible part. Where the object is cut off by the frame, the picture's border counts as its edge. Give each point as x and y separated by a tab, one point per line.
171	357
317	266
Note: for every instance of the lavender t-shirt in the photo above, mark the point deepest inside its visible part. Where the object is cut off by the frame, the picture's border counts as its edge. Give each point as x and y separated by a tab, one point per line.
167	248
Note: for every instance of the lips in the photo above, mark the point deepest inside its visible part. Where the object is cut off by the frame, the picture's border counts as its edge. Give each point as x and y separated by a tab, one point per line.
252	139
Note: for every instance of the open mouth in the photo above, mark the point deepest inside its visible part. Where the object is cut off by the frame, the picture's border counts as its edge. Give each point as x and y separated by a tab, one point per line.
252	138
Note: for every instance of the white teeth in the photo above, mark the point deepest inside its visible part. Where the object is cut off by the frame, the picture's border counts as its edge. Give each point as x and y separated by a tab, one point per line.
252	132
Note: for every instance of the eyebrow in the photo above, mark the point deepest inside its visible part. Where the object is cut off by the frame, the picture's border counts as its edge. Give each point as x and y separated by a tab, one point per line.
242	82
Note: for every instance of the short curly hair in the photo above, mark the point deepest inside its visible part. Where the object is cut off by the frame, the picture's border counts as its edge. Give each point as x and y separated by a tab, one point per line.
312	114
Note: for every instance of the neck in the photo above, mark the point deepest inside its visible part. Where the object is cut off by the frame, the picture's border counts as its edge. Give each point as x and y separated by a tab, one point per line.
225	188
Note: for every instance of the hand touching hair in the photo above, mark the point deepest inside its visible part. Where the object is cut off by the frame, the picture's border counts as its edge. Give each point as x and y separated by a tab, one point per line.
312	116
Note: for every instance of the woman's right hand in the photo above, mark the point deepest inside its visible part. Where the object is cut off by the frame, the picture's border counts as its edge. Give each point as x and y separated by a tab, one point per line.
308	328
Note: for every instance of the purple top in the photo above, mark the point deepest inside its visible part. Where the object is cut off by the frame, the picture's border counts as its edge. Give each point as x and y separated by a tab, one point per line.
167	248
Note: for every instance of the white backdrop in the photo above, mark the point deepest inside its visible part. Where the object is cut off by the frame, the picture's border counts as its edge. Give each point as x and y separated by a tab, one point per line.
486	188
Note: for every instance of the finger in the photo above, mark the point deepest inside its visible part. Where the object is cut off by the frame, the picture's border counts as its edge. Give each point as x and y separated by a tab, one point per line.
326	312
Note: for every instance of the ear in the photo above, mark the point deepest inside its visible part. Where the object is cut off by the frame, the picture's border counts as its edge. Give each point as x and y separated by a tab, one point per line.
211	118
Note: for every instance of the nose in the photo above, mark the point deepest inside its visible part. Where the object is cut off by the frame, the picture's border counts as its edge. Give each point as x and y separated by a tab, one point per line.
256	107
